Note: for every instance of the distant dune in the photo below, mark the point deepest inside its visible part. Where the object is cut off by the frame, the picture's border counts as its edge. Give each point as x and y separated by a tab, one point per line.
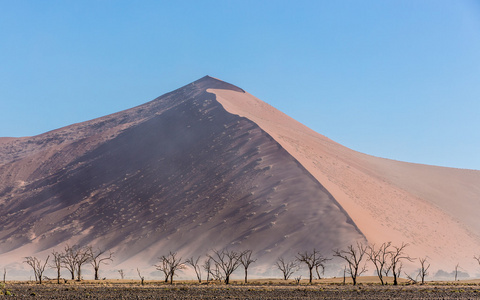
211	166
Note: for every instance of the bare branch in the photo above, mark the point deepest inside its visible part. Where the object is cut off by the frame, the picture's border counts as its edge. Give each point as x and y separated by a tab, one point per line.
97	260
194	263
169	265
287	268
423	272
37	266
396	258
380	258
313	260
246	260
353	256
141	277
226	261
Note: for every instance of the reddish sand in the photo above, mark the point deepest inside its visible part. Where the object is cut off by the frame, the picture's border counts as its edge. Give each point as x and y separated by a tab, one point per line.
434	209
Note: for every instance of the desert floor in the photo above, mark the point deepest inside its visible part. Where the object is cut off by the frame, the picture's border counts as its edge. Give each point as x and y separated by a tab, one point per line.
257	289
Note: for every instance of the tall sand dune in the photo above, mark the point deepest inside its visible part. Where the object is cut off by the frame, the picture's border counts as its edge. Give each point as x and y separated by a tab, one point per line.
209	166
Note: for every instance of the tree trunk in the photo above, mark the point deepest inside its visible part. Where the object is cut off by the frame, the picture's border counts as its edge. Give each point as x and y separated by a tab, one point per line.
227	279
245	275
79	273
354	278
171	278
58	276
311	275
96	273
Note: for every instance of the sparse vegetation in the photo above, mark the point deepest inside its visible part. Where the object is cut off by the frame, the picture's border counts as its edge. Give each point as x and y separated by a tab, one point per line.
98	258
37	266
226	261
170	264
287	268
396	257
380	258
246	260
313	260
354	257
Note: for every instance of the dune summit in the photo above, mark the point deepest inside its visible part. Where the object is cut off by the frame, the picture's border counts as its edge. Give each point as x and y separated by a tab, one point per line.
211	166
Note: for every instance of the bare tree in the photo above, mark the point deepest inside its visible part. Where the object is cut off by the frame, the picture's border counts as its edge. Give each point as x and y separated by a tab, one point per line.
37	266
226	261
194	263
398	254
380	258
69	259
287	268
312	260
456	271
353	256
141	277
96	259
122	274
423	272
207	266
82	257
170	264
246	260
57	263
163	266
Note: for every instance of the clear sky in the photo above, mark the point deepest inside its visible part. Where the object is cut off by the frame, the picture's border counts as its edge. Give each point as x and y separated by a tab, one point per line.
395	79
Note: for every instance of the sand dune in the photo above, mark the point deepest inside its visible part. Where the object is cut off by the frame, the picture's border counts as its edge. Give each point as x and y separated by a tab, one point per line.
211	166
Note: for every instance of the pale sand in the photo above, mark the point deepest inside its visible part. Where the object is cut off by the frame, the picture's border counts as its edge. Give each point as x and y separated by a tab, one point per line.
434	209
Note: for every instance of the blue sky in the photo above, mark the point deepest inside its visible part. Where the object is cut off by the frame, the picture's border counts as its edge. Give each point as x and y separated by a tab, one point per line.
395	79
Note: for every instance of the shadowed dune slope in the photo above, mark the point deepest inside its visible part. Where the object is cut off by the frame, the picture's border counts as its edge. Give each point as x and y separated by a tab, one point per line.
179	173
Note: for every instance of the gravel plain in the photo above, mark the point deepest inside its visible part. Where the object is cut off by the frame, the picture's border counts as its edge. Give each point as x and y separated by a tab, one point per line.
237	291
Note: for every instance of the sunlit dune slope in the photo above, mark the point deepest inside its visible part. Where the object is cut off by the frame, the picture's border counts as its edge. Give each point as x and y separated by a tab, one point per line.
434	209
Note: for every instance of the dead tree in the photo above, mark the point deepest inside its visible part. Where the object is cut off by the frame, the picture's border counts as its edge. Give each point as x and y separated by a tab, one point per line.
170	264
57	263
353	256
163	266
246	260
411	279
312	260
194	263
69	259
82	257
398	254
423	272
207	266
122	274
456	271
226	261
96	259
380	258
141	277
287	268
37	266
